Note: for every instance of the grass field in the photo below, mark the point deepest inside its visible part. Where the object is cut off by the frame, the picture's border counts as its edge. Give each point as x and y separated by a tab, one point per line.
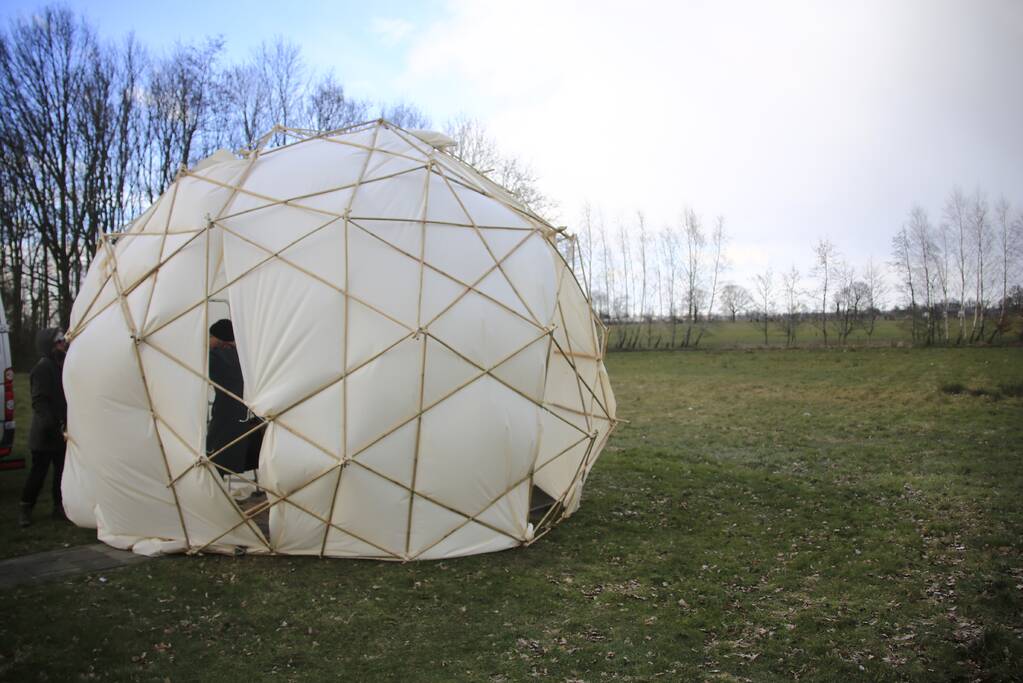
764	515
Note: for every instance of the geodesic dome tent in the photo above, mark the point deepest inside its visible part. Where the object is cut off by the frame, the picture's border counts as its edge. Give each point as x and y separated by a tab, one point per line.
424	367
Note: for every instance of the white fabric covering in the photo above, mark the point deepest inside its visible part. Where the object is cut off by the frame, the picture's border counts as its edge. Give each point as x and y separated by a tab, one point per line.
421	351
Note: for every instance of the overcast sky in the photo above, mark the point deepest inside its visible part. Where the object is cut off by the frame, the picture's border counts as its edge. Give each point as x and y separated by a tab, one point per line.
794	120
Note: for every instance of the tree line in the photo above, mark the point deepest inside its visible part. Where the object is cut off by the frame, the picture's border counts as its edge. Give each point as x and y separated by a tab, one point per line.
959	274
92	131
954	281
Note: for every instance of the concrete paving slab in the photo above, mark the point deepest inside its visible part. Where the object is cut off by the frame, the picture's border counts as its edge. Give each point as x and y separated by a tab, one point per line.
56	564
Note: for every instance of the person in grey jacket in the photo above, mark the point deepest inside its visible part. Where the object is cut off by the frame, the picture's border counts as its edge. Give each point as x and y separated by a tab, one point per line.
46	438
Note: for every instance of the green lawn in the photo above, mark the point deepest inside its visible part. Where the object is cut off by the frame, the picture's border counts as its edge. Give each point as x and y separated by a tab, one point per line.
765	515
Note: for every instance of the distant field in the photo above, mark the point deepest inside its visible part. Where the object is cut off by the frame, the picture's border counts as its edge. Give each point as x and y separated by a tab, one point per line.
765	515
742	334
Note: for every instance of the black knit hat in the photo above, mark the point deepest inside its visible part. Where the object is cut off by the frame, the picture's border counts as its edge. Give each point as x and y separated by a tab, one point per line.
222	330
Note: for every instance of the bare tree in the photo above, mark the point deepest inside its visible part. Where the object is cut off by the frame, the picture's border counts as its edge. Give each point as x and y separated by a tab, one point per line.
848	300
789	320
93	131
180	106
609	274
956	217
405	115
18	244
646	315
763	287
1007	244
825	254
327	107
923	258
902	261
718	261
980	236
476	147
245	110
586	247
669	254
735	299
875	292
67	136
283	72
693	242
626	256
943	273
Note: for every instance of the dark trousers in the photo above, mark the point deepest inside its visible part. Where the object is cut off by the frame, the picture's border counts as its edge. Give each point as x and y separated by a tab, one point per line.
37	475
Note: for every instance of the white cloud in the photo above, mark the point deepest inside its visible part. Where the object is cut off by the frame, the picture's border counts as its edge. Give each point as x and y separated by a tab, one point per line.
794	120
391	31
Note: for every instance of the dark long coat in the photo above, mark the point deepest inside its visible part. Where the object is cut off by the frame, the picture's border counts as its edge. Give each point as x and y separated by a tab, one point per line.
229	417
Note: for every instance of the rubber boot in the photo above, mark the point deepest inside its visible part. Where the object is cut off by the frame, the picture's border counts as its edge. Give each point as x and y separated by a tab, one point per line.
25	515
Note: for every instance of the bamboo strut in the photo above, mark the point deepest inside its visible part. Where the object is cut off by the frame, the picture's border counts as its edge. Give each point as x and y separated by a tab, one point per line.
278	255
468	517
492	503
84	320
575	411
210	222
582	402
422	361
142	373
582	382
546	375
504	200
350	128
128	236
398	155
539	443
286	499
344	364
145	218
347	143
411	140
467	286
489	372
163	243
499	195
398	426
486	245
137	282
278	495
559	504
445	224
298	402
204	344
291	202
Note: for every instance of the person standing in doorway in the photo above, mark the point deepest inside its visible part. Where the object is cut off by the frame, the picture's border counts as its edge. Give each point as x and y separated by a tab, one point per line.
229	416
47	439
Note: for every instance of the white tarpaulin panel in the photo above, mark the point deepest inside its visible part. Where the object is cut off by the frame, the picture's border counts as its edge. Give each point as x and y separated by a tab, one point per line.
418	374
